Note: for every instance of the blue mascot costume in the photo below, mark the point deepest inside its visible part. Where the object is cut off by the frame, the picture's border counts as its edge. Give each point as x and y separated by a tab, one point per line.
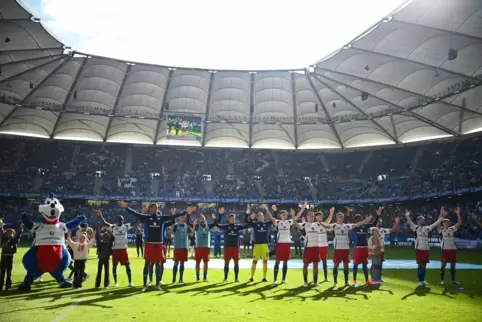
48	253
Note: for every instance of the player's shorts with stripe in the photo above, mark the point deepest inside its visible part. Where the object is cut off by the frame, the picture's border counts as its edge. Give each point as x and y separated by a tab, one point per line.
311	255
382	256
361	255
283	251
422	256
261	251
202	254
323	253
449	255
341	256
154	253
231	253
180	254
120	256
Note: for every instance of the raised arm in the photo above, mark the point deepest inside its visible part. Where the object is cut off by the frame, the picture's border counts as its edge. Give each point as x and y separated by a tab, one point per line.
92	242
70	242
443	214
330	217
175	214
104	222
364	222
459	219
475	219
410	222
27	222
395	225
300	212
269	215
123	205
75	222
217	224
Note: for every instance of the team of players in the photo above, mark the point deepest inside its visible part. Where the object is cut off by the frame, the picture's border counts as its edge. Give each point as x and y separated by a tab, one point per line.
316	242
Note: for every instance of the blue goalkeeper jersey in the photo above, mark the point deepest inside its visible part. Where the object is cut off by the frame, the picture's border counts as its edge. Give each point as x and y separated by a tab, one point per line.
154	225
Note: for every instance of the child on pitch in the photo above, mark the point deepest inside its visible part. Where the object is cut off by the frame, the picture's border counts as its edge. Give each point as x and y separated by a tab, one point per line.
104	251
81	254
9	240
374	250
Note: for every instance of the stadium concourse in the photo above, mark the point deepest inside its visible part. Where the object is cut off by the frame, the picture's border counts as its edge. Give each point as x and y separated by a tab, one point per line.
387	126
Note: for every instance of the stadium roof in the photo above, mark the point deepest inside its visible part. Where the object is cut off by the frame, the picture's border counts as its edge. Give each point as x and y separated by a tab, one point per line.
415	75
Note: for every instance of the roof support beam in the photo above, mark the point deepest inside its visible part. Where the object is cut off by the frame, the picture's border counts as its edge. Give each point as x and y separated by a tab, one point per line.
27	97
332	126
412	61
6	80
163	104
396	88
295	113
437	29
417	116
18	105
461	119
357	108
116	102
30	59
394	128
8	114
30	49
251	108
208	104
67	97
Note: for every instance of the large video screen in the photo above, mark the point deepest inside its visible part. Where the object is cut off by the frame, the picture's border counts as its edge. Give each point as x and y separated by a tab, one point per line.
187	128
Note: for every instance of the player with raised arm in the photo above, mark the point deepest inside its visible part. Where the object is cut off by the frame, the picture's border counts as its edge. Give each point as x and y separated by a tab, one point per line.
311	252
341	244
261	231
181	232
360	245
421	242
153	226
323	240
383	232
202	234
283	238
119	250
231	242
449	249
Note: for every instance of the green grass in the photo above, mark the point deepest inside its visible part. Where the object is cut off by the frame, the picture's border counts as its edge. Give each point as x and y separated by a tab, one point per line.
397	300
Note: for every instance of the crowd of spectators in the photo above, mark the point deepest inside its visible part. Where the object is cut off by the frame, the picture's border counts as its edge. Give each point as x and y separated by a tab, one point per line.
151	171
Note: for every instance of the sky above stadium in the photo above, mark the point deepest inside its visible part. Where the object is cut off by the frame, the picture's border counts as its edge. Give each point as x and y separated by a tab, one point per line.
217	34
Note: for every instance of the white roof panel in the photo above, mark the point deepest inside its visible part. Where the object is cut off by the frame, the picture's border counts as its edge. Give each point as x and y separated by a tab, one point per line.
415	75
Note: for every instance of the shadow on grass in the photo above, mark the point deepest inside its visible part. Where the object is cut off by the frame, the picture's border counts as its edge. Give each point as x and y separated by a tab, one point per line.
76	297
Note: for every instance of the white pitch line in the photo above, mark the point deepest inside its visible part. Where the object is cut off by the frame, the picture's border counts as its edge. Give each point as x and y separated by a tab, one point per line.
67	310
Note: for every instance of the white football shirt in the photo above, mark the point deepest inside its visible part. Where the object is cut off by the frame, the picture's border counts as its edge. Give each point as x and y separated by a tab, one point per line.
322	237
120	235
311	230
46	234
448	239
341	240
421	243
283	227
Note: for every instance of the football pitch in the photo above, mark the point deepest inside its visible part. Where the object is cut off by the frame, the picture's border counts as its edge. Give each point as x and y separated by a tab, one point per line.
399	299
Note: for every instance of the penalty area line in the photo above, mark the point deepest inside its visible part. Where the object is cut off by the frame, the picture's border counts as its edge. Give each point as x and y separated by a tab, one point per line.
67	310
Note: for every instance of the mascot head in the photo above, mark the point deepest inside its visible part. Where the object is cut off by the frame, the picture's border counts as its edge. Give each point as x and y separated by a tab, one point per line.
51	209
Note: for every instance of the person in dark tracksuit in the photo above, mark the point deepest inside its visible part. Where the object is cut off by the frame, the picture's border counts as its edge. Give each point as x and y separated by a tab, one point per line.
296	234
9	248
140	241
104	251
